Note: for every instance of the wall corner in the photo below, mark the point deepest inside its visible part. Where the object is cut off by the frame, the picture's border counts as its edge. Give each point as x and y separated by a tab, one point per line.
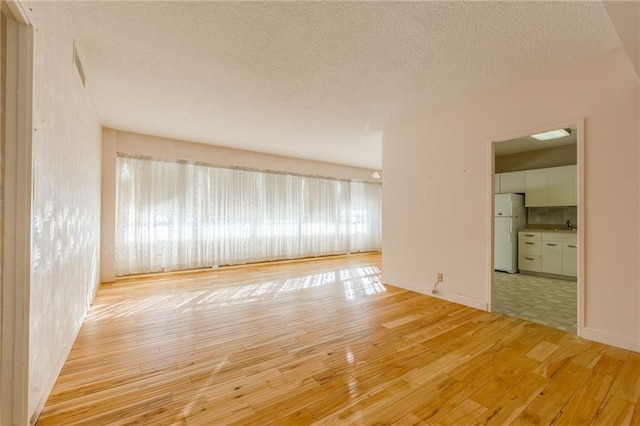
108	206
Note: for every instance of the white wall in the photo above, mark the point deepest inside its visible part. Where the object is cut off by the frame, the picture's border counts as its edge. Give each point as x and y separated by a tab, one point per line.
116	141
66	200
438	190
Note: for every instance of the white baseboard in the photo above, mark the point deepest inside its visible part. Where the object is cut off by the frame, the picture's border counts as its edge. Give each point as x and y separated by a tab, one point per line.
444	295
609	339
408	286
55	372
462	299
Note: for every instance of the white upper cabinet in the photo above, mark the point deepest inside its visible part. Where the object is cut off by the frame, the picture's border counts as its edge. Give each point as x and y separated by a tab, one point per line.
555	186
512	182
536	188
561	186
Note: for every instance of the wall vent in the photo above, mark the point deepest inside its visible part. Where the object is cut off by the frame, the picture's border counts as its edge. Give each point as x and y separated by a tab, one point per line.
78	63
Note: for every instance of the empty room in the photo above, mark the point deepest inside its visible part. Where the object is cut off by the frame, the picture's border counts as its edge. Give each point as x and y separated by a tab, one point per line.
258	213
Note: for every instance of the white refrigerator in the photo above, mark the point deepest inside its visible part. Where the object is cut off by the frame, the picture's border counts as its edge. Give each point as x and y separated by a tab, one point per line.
509	219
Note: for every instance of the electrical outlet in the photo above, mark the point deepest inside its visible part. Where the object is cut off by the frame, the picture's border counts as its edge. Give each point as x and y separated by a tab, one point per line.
440	277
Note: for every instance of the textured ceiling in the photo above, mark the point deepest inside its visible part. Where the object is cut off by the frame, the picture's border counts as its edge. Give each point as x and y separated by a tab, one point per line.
316	80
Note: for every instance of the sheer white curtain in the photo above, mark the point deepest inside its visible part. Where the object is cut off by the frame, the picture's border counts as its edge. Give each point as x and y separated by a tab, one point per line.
172	216
366	217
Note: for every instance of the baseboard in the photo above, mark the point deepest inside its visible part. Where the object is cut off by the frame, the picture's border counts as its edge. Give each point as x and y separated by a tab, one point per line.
180	272
444	295
462	299
546	275
609	339
55	372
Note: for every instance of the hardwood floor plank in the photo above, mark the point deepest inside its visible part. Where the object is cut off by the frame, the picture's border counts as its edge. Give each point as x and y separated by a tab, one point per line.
627	383
276	405
635	419
547	406
514	402
583	405
616	411
167	414
467	412
440	396
325	342
103	411
357	410
447	393
409	420
300	417
542	351
497	382
213	414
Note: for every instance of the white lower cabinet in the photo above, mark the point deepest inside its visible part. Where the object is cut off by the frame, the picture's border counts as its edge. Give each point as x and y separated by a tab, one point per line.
552	257
530	247
549	252
530	262
570	259
529	251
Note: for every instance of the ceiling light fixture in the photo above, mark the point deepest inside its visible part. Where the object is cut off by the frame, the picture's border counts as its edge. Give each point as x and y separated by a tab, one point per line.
554	134
376	175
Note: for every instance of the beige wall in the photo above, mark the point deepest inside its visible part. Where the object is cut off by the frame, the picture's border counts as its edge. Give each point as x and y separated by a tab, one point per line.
66	200
3	76
551	157
438	190
625	17
115	141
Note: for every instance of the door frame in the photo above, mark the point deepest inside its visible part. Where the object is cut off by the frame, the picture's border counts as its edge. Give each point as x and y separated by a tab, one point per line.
579	124
16	256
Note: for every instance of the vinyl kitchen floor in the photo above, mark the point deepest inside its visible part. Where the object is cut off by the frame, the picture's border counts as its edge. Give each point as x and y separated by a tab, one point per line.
543	300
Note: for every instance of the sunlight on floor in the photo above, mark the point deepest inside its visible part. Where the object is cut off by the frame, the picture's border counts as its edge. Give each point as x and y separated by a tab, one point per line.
357	282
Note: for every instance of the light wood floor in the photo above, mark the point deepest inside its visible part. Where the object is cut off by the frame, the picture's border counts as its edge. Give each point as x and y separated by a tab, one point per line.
326	342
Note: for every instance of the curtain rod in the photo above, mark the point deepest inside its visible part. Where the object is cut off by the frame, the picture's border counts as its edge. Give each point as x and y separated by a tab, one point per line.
248	169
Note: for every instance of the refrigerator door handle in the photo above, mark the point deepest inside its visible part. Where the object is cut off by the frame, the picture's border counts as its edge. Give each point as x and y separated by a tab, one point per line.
510	230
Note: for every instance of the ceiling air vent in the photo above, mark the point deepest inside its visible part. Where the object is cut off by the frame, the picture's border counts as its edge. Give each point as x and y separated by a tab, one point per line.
78	63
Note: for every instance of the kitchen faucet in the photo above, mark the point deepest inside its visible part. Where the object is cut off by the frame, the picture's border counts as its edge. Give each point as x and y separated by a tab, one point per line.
569	224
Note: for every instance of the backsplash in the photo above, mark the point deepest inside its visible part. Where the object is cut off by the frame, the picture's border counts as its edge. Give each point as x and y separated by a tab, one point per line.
552	215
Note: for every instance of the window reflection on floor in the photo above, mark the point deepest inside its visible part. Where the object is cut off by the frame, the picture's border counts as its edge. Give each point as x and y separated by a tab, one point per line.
357	282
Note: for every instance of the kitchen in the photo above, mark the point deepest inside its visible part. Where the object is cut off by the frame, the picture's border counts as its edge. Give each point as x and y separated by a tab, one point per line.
535	228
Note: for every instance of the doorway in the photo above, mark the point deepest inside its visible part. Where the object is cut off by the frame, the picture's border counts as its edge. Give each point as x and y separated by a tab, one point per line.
15	217
537	253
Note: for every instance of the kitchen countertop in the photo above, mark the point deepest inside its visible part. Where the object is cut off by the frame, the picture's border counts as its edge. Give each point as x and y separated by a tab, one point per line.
564	231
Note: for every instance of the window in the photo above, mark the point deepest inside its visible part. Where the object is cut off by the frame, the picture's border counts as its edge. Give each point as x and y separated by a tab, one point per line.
173	216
